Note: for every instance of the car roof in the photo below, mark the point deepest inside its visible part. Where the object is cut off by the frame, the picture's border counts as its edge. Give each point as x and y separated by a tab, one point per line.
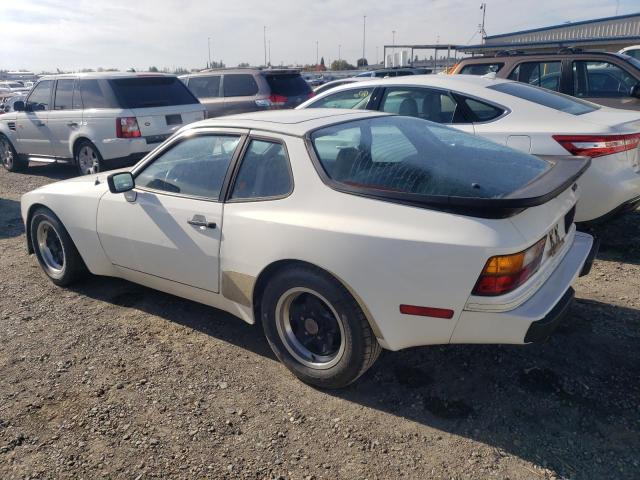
288	122
105	75
248	70
518	55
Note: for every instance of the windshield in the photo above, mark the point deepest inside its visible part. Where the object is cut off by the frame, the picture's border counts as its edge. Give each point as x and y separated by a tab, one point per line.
414	156
145	92
546	98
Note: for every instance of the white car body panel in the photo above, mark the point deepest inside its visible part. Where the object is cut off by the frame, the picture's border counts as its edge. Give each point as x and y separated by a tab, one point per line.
611	181
380	251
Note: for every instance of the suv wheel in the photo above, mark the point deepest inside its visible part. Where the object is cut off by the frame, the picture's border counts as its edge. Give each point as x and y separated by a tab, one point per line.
9	157
88	158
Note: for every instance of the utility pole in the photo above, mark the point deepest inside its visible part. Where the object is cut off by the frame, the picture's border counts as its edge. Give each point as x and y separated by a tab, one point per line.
264	35
483	32
364	36
209	45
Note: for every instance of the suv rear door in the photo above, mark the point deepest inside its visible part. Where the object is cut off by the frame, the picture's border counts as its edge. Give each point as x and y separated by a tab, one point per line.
66	116
607	82
208	89
240	92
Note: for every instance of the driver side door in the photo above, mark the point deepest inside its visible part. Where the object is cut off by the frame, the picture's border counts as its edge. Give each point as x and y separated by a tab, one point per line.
170	225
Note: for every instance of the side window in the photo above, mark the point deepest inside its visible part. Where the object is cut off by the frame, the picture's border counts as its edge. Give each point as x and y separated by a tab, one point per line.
195	167
64	94
40	96
428	104
356	98
205	87
239	85
264	172
601	79
540	74
93	95
481	68
482	112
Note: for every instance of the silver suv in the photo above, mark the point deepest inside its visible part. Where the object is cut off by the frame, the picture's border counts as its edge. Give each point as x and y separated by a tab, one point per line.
93	119
239	90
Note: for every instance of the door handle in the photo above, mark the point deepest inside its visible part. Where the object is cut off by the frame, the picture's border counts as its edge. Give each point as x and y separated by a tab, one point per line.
201	221
72	124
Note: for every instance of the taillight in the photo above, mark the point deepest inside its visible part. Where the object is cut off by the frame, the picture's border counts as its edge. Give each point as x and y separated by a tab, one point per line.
504	273
278	100
598	145
127	127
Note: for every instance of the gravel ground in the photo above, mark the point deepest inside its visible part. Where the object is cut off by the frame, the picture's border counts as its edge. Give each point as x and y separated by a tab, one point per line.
113	380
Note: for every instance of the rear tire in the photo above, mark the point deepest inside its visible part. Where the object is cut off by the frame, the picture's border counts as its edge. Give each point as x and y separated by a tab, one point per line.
11	161
316	328
87	158
54	249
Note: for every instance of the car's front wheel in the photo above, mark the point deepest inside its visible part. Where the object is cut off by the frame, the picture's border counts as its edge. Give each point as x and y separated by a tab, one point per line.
9	157
316	328
56	253
88	158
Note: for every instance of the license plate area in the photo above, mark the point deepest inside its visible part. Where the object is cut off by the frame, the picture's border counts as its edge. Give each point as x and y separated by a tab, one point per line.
555	240
174	119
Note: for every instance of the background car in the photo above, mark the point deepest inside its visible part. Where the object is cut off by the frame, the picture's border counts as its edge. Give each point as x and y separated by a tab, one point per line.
7	104
525	117
336	83
289	219
394	72
609	79
229	91
95	119
632	51
14	87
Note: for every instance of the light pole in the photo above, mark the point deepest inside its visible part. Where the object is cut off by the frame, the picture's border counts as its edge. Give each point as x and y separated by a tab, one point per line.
376	55
339	53
317	62
393	32
364	36
269	52
264	38
209	45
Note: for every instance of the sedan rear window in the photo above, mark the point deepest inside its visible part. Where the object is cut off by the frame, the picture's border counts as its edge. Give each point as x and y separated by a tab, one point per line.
146	92
412	156
546	98
288	84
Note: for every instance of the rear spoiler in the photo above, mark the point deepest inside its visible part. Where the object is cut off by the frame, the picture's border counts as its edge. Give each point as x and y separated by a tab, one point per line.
562	175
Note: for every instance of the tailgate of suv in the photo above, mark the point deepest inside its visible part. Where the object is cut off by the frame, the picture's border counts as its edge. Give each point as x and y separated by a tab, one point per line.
158	123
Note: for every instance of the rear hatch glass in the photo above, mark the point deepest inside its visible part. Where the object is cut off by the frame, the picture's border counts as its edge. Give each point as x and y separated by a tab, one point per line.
148	92
412	156
290	85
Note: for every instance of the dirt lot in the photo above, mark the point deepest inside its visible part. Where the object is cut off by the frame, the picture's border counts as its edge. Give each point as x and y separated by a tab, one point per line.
112	380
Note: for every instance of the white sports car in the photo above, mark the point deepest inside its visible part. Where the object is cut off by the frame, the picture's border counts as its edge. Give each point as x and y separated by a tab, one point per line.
534	120
341	232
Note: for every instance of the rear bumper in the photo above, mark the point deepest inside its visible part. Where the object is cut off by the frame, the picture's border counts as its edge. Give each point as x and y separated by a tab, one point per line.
545	308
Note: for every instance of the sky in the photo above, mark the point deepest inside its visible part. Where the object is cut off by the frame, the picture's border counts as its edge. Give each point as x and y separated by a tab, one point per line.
69	35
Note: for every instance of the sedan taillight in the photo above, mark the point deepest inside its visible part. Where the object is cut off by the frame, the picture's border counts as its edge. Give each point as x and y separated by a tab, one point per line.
598	145
127	127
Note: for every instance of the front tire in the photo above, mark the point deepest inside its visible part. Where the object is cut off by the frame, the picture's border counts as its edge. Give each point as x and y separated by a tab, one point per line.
316	328
9	157
88	159
56	253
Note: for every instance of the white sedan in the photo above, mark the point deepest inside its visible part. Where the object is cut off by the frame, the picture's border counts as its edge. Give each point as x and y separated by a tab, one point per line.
341	232
528	118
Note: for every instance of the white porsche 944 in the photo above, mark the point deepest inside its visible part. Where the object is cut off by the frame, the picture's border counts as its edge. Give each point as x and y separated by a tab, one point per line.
341	232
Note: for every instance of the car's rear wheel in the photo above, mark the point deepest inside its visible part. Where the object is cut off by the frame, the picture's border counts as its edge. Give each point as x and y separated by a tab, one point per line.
9	157
88	158
56	253
316	328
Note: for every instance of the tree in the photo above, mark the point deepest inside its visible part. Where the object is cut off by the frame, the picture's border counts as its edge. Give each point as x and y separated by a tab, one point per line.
243	65
362	62
322	61
153	69
341	65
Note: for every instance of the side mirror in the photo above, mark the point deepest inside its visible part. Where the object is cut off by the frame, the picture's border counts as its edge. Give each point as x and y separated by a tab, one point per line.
121	182
635	90
19	106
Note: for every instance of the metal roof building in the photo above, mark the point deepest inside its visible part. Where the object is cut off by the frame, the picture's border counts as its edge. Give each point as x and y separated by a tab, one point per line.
608	34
